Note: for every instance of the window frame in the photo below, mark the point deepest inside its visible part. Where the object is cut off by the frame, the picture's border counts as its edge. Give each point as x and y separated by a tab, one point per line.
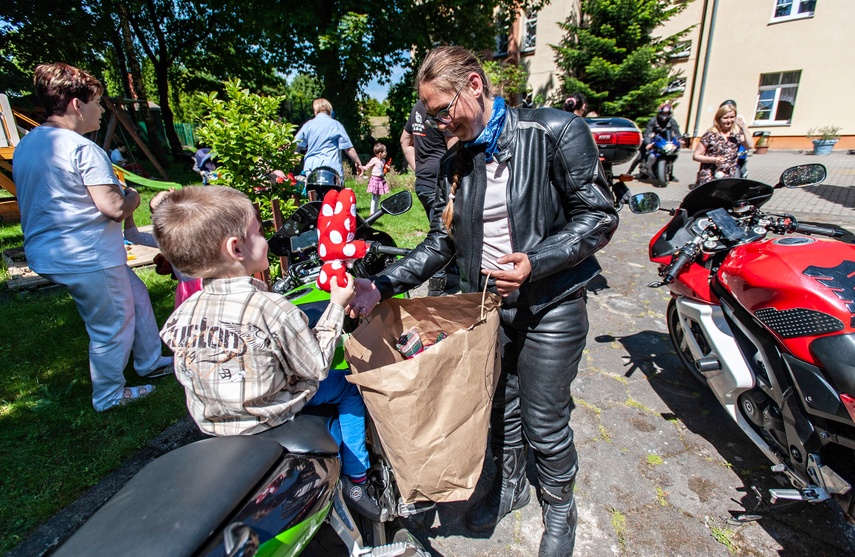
529	17
791	16
778	89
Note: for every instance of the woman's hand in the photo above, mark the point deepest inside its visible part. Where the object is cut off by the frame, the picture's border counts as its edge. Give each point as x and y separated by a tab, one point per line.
510	281
367	296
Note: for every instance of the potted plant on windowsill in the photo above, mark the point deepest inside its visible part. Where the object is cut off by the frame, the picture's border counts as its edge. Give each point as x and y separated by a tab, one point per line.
824	139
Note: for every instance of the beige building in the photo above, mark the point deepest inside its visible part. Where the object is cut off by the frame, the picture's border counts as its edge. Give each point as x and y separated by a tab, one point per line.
786	63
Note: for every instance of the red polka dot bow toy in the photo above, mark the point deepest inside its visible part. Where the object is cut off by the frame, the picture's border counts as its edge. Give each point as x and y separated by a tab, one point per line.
336	229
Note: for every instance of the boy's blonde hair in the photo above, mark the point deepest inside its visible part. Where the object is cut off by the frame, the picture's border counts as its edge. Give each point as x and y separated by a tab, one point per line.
192	224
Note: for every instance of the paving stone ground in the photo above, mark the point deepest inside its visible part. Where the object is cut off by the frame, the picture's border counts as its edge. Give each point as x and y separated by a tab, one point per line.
663	470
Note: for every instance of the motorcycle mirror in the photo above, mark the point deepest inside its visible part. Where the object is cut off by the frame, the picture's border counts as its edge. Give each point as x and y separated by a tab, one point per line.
803	175
397	204
642	203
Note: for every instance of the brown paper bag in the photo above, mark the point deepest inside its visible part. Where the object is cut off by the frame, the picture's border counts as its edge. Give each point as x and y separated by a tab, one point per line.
432	411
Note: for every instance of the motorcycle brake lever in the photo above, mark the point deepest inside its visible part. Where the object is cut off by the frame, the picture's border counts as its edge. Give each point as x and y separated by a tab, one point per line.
657	284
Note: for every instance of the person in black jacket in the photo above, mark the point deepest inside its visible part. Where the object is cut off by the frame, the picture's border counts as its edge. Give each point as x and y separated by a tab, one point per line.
522	196
661	125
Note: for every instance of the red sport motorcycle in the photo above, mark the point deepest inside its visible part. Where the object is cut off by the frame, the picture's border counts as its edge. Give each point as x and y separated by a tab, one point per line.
766	320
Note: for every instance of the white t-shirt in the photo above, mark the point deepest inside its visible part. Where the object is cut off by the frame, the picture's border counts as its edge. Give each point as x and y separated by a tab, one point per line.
497	230
64	232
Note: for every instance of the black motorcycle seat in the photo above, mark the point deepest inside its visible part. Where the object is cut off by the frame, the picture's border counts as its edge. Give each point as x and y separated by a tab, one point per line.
305	434
173	505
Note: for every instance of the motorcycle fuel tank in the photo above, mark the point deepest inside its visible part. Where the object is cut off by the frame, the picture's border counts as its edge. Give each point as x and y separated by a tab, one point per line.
799	288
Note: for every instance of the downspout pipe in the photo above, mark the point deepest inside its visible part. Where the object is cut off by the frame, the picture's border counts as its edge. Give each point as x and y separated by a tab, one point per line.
701	32
706	69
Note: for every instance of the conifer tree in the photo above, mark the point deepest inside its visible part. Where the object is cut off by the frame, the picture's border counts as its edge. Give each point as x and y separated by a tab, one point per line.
611	55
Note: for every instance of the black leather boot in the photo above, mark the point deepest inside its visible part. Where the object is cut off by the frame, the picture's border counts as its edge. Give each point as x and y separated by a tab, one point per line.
559	532
510	491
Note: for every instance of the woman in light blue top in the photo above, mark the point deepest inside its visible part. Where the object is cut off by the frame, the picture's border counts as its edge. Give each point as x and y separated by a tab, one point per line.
323	139
72	208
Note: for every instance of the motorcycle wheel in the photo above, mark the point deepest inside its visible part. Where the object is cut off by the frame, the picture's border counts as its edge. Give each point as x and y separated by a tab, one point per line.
678	339
661	173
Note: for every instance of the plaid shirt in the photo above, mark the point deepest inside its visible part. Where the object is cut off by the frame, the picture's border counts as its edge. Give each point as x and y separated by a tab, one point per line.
246	357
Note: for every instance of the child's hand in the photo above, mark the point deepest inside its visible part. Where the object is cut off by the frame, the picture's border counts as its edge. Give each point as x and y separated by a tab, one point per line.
158	198
342	295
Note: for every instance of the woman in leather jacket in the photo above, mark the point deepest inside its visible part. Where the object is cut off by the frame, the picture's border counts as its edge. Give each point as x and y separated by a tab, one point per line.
521	196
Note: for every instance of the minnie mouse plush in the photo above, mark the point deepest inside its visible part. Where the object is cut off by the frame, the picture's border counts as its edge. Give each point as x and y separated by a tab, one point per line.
336	230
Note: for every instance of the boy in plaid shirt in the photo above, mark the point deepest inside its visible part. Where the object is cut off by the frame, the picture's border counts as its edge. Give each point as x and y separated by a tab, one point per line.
246	357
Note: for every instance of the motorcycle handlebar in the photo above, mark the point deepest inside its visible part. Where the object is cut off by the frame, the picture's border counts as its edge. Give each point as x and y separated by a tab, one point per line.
389	250
821	230
674	268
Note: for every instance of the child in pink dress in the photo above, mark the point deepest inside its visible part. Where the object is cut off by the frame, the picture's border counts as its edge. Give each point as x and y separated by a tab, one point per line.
377	185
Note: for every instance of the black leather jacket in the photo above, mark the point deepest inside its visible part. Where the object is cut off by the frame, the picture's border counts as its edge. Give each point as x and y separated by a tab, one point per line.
560	210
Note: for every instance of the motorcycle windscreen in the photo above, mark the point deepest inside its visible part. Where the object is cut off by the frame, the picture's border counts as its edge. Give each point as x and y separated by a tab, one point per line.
726	193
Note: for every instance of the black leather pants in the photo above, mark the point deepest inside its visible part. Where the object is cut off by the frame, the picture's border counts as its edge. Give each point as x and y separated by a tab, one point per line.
540	359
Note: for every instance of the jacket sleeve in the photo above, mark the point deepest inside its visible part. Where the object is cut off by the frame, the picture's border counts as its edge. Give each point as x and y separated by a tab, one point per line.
575	171
434	253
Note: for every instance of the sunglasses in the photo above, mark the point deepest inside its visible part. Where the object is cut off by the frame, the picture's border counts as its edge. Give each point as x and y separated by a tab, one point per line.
443	116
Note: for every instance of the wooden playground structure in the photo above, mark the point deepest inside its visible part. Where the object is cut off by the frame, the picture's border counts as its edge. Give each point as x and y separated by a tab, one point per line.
14	125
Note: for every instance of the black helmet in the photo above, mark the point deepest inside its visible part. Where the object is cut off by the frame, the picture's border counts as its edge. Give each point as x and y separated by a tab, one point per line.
321	180
324	176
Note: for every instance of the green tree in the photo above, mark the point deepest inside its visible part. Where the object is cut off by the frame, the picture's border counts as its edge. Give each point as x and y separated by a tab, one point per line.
508	80
611	55
249	141
33	33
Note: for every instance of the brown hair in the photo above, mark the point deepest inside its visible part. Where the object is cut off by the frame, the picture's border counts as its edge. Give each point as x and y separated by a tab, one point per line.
379	148
56	84
191	225
321	105
447	68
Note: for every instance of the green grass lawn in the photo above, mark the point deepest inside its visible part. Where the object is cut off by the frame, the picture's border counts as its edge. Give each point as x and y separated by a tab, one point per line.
53	445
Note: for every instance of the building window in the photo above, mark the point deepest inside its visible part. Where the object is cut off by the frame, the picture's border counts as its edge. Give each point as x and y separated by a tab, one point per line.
501	45
502	37
677	85
682	49
776	98
529	34
793	9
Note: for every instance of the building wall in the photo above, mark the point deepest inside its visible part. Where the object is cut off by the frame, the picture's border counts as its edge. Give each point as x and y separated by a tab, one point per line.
746	43
540	64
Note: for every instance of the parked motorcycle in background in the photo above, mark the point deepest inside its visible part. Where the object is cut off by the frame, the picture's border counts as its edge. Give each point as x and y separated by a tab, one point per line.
768	324
659	164
618	140
270	493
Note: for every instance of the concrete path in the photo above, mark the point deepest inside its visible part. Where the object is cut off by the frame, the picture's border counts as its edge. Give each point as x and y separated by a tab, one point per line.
663	470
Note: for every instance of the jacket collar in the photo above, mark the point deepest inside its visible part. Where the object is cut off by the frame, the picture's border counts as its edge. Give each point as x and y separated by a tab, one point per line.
506	138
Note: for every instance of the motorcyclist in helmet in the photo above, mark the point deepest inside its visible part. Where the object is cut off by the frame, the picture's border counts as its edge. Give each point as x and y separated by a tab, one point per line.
656	127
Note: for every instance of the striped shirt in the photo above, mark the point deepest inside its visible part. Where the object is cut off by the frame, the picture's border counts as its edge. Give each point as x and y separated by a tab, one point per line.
246	357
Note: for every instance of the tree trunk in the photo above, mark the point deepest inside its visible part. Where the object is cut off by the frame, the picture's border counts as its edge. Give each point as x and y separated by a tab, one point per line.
161	71
138	88
122	62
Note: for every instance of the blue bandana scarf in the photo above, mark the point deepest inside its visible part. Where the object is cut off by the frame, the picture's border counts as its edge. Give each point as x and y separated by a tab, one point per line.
490	134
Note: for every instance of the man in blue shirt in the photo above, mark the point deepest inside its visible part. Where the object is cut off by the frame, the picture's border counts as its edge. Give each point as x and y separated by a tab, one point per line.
323	139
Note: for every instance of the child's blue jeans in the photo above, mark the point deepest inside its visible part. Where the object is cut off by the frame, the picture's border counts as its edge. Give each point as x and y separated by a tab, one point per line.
350	434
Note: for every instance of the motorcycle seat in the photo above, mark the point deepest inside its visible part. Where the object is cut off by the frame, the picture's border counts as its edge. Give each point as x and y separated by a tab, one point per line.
305	434
177	502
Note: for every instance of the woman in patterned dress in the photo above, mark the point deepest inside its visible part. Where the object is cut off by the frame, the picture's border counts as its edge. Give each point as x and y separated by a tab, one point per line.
717	150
